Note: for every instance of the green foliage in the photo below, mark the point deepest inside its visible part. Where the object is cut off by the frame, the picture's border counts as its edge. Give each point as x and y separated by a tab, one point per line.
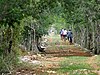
12	11
1	51
8	63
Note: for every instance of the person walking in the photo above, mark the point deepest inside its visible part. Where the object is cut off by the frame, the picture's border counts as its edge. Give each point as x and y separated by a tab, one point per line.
61	34
70	36
65	34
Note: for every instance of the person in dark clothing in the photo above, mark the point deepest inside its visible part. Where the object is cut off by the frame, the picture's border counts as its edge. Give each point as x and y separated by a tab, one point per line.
70	36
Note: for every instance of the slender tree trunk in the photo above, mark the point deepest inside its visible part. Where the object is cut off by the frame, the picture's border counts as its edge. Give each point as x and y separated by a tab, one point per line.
93	36
10	39
98	36
73	33
97	39
35	42
87	44
83	30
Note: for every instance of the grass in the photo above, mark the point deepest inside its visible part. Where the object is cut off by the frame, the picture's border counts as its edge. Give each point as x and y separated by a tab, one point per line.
76	59
8	62
75	66
75	62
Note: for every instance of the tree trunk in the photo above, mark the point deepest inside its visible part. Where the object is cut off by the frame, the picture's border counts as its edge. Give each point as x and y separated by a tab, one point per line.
10	46
97	37
83	37
10	39
35	43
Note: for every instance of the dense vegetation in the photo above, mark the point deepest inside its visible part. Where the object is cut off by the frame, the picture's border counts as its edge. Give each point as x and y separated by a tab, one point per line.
24	22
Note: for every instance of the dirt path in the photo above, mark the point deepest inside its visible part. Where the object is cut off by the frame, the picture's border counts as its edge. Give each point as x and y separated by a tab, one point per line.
55	53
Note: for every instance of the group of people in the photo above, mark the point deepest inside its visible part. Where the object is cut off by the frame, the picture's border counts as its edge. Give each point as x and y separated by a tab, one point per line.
66	35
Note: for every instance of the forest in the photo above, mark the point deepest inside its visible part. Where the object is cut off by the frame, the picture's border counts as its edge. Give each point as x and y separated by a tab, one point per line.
23	23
